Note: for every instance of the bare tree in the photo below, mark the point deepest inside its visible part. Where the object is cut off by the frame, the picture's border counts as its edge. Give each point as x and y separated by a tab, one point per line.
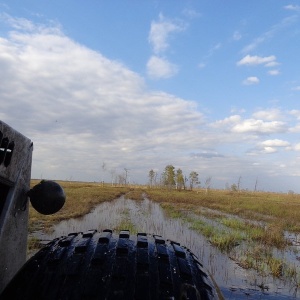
234	187
255	186
126	175
113	175
121	179
207	184
155	178
103	170
152	175
239	183
185	182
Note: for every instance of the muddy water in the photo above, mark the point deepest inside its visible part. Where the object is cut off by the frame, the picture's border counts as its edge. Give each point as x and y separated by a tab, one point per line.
234	282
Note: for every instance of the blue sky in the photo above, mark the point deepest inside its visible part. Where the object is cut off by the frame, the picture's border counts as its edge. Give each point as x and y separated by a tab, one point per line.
208	86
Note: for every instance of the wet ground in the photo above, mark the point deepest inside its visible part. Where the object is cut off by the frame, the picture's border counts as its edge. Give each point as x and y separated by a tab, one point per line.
147	216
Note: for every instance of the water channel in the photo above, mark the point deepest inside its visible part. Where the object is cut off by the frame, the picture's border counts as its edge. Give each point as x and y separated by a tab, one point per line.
235	282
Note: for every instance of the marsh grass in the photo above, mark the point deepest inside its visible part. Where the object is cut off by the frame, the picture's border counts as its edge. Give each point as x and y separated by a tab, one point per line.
245	225
135	194
126	225
234	230
172	212
263	260
205	229
276	266
281	209
33	244
224	240
270	235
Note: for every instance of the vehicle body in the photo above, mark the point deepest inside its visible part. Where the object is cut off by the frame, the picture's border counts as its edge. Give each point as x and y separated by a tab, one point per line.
15	172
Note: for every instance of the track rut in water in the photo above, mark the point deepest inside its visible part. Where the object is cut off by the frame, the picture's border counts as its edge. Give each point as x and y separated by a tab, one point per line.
147	216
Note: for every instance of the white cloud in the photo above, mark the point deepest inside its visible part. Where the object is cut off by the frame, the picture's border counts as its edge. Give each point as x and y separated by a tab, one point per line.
297	147
275	143
259	127
191	13
261	150
295	129
268	114
213	49
25	25
296	113
269	150
158	67
216	47
257	60
292	7
271	64
237	110
251	80
270	147
160	32
269	34
274	72
297	88
19	23
237	36
232	120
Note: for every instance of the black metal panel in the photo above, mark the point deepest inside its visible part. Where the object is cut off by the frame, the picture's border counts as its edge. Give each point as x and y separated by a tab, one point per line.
15	171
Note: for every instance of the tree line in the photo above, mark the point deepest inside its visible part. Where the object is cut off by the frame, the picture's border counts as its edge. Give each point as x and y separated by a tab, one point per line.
172	178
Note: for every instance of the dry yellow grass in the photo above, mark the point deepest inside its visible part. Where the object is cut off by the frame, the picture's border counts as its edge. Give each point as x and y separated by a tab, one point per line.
82	197
274	208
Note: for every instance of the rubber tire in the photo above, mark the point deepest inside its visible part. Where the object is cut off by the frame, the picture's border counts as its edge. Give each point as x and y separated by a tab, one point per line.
102	265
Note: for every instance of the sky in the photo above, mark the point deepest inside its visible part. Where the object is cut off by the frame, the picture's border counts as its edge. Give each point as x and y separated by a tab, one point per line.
101	87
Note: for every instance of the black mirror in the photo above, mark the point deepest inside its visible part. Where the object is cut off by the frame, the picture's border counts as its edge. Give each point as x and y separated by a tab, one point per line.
47	197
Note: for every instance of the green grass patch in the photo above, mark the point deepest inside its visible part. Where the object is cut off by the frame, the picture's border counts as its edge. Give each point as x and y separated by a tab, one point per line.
224	240
126	225
281	209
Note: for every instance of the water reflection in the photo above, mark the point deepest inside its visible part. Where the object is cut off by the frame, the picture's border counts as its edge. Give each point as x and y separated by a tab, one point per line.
147	216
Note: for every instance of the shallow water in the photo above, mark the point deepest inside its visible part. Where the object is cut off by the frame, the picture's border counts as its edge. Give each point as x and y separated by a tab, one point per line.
147	216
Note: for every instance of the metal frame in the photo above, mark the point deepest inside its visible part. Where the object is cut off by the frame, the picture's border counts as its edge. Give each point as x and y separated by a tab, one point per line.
15	173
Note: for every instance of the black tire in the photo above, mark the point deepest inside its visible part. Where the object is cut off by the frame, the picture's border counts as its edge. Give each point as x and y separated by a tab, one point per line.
94	265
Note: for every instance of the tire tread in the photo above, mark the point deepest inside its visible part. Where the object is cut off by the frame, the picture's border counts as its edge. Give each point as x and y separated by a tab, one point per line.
104	265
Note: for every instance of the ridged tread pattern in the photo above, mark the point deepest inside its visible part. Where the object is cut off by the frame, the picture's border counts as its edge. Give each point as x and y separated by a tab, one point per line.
103	265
